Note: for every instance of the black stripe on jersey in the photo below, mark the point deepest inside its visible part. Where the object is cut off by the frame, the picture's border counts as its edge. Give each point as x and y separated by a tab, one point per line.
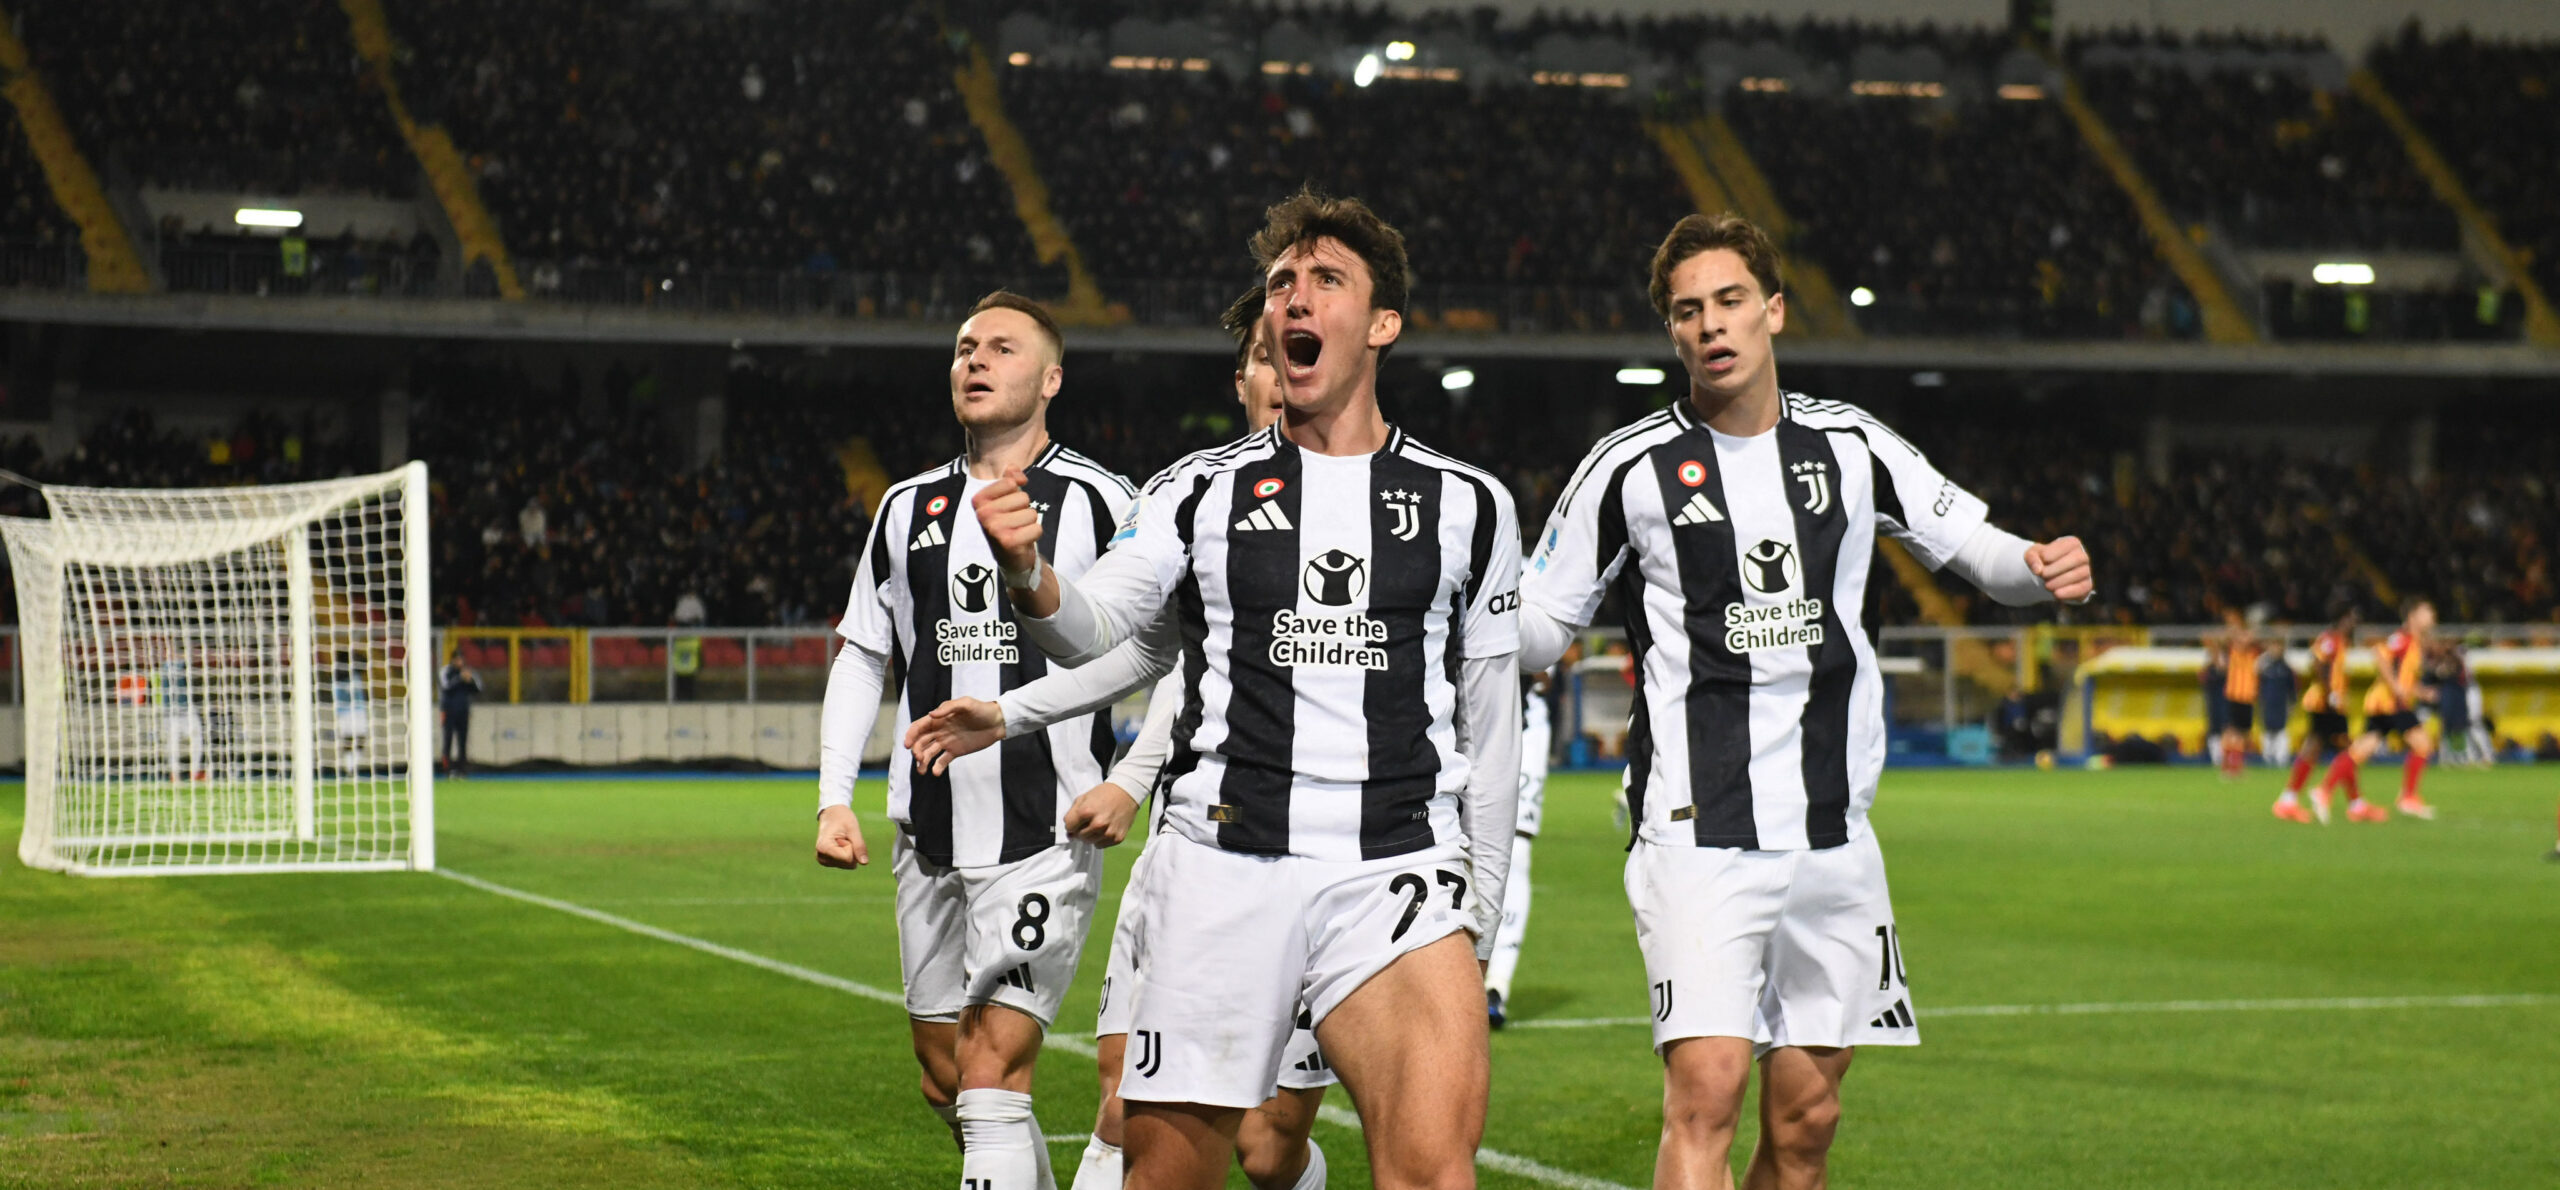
1192	614
1097	510
1612	539
1719	701
1262	700
1404	584
1825	720
1030	772
928	680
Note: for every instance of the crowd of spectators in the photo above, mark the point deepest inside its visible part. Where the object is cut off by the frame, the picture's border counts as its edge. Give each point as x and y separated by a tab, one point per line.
38	243
800	136
2490	107
1165	175
1986	220
257	95
2274	161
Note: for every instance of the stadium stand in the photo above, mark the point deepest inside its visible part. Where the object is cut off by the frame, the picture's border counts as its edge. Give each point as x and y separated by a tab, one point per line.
39	245
254	95
2489	106
630	152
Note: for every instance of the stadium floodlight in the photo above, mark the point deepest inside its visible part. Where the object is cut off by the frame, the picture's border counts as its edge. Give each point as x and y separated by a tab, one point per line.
1457	378
266	217
228	679
1367	72
1640	376
1862	297
1400	51
2342	273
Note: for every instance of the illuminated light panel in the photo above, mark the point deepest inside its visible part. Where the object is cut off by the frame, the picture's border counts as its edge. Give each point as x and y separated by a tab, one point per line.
2342	273
1897	90
1567	78
1422	74
1288	68
1457	378
1400	51
1764	84
1018	58
264	217
1367	72
2021	91
1640	376
1862	297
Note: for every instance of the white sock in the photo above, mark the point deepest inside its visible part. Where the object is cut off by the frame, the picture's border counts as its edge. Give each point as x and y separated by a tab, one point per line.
1313	1178
1101	1169
1001	1145
950	1114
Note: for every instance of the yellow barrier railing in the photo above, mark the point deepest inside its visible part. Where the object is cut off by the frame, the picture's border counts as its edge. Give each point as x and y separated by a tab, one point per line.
449	641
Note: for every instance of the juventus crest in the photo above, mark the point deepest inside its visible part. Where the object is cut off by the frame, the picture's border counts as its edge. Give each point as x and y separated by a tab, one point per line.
1815	475
1407	507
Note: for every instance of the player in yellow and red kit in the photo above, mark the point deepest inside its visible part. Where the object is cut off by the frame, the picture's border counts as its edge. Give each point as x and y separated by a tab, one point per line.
2391	705
2324	697
2240	651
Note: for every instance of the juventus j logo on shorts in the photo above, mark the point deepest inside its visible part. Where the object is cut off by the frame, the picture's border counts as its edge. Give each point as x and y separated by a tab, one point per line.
1150	1053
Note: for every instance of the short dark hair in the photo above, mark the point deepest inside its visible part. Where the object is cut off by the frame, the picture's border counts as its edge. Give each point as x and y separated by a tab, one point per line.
1694	234
1006	299
1307	216
1241	319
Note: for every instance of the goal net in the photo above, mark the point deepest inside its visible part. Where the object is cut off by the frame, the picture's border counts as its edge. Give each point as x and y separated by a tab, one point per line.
228	679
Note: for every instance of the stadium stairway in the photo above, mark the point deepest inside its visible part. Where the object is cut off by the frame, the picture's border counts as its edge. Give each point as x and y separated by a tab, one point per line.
446	171
2224	321
1721	176
114	265
984	99
2479	230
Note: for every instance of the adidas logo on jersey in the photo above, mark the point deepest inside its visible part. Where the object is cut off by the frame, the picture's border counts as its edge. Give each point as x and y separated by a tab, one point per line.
1897	1017
930	536
1698	511
1266	515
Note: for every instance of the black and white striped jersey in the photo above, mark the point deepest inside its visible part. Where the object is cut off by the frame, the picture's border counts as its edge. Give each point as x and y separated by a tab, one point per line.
1326	606
1742	567
926	593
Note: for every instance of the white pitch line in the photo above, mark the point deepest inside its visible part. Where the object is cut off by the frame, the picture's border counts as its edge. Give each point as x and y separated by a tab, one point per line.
1073	1043
2331	1004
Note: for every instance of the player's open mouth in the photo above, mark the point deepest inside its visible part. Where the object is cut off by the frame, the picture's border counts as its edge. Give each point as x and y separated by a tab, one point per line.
1302	348
1718	359
975	387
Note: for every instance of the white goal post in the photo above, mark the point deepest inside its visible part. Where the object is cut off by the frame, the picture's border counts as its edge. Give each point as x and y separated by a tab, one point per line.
228	679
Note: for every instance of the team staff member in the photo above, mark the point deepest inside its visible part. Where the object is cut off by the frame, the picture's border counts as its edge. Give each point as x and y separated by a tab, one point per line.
1737	526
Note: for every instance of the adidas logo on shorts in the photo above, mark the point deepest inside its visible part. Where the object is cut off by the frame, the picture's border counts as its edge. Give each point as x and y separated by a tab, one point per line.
1897	1017
1019	977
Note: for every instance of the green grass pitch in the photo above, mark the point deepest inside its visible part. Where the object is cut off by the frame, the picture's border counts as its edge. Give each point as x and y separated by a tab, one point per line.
406	1030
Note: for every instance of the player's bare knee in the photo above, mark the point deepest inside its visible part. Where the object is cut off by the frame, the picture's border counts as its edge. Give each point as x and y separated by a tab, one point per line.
1271	1160
1803	1129
938	1092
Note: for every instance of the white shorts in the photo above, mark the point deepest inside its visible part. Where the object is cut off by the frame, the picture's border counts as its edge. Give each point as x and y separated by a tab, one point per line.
1238	943
1786	948
1302	1064
1005	934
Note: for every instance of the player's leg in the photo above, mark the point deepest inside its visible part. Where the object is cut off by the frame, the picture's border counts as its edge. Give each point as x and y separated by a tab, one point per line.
2420	744
1026	930
1799	1115
1275	1142
930	912
2342	771
1506	939
1103	1163
2288	804
1410	1047
1226	959
1104	1166
1836	983
1704	920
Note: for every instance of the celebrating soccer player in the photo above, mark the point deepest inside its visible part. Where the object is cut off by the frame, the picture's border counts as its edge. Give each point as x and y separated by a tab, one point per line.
2391	707
1738	526
1273	1143
1346	752
2240	651
993	897
2324	698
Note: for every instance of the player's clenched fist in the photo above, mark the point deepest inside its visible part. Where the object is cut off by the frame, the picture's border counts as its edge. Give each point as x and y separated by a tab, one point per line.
2063	564
840	842
1101	815
953	730
1011	524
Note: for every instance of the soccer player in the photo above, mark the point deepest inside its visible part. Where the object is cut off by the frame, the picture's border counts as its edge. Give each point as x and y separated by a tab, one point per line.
2240	653
1346	756
1273	1144
1738	526
2391	706
2324	700
1537	738
993	897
